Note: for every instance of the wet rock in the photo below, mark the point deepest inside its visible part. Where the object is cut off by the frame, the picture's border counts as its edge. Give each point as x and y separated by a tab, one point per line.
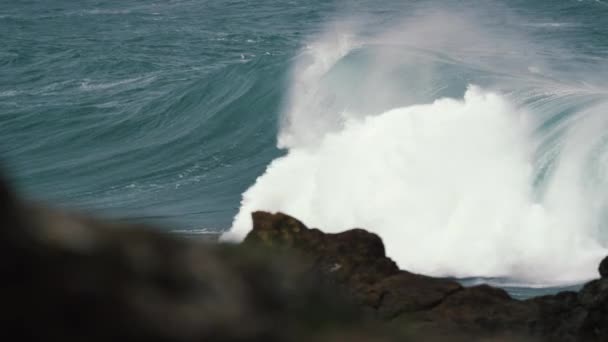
429	306
353	260
409	293
603	269
593	297
375	282
485	309
559	316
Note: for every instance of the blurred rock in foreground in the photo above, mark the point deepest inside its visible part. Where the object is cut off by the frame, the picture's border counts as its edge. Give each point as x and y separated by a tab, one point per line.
72	278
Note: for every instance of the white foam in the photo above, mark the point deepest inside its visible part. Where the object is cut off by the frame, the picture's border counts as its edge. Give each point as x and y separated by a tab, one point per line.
87	85
446	185
9	93
552	25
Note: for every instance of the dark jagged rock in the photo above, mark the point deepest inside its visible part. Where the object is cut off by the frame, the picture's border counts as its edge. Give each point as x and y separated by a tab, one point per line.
356	260
484	309
559	315
594	299
409	293
603	269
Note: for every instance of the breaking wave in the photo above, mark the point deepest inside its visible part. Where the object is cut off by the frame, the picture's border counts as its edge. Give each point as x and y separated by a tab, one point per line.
468	157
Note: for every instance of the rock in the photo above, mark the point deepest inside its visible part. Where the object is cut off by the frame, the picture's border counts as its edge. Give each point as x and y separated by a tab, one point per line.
559	316
427	306
593	297
356	260
604	268
73	278
406	292
484	309
353	260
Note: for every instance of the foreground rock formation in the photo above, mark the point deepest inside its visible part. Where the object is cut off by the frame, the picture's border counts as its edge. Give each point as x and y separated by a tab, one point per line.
72	278
355	261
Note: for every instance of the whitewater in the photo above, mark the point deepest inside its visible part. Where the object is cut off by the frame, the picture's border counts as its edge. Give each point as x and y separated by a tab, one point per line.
482	181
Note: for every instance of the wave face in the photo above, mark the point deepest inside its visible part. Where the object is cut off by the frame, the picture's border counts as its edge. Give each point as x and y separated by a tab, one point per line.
470	136
466	156
162	111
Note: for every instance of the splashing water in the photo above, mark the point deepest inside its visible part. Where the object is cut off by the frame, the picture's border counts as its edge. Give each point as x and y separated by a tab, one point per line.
501	179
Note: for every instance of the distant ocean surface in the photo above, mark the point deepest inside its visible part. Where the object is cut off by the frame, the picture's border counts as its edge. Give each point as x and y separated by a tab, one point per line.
471	136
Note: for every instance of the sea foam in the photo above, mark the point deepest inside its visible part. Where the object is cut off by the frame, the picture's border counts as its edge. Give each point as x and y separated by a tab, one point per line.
453	185
446	185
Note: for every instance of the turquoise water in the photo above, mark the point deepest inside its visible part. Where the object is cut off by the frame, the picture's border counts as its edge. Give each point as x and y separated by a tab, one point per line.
168	112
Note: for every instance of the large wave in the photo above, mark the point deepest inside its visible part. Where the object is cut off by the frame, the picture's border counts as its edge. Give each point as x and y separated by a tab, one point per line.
468	153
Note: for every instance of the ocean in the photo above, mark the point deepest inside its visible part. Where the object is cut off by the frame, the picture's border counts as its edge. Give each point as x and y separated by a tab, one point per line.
471	136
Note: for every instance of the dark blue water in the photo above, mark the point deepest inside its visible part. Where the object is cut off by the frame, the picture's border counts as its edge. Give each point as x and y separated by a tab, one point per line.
168	111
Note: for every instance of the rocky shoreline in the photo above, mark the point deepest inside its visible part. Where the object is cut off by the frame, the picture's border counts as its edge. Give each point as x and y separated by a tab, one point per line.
71	277
356	262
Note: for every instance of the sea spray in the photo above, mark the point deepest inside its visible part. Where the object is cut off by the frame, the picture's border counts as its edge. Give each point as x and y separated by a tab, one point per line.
502	180
446	185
